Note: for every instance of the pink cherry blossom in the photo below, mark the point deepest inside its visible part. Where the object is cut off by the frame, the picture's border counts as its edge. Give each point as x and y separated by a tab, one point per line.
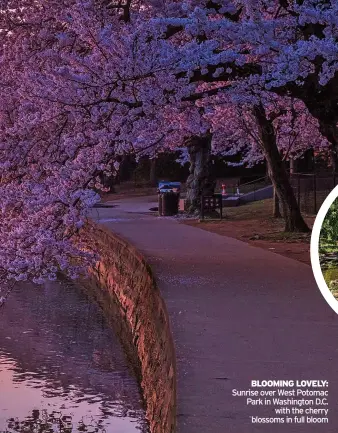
84	81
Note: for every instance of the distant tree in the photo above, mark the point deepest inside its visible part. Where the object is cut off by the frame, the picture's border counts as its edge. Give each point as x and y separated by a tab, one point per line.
329	230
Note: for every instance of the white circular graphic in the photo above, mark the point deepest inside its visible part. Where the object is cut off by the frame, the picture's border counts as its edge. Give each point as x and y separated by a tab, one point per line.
314	250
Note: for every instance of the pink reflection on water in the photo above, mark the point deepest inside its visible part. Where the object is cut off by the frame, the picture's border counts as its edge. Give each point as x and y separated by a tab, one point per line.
62	357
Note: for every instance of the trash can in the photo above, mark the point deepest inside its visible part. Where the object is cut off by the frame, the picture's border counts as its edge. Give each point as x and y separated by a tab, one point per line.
168	203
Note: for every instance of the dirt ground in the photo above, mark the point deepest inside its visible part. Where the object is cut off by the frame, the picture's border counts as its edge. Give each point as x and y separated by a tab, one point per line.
251	223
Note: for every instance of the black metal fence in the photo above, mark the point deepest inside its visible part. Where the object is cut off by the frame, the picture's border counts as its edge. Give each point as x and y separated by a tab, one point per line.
311	189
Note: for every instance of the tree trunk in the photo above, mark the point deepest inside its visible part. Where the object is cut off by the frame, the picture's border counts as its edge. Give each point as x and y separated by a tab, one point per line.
293	166
127	168
276	213
200	180
294	221
152	175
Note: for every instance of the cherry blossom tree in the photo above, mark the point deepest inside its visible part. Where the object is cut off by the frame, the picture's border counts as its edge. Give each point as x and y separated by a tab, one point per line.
80	86
235	130
287	47
84	81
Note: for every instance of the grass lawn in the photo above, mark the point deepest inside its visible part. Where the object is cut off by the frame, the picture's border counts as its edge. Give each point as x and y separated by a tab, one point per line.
331	279
254	224
129	189
329	263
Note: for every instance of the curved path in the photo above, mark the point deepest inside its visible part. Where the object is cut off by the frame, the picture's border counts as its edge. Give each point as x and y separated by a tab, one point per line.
237	313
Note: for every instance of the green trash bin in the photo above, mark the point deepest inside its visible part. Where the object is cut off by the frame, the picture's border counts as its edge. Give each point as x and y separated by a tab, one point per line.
168	203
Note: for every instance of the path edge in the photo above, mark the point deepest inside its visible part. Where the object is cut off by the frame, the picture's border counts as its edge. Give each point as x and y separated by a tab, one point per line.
123	274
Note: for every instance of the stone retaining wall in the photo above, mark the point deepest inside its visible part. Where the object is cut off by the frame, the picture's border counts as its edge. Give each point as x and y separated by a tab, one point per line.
123	275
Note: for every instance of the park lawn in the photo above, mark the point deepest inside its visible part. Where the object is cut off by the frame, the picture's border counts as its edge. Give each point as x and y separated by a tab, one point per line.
127	190
254	224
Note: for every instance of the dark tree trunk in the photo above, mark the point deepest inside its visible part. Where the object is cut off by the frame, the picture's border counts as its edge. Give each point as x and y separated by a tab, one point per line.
276	213
294	221
152	175
200	180
127	168
293	166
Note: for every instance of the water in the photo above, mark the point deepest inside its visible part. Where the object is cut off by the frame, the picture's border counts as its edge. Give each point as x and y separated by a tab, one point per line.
62	368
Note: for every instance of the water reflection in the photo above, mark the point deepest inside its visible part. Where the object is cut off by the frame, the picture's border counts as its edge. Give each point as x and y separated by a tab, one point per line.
55	422
58	354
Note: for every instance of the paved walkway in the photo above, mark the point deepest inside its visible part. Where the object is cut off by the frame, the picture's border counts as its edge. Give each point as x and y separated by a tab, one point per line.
237	313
